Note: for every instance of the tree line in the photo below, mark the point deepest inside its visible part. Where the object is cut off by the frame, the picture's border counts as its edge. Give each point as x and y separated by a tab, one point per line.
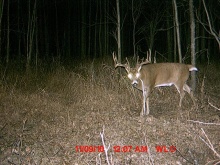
65	30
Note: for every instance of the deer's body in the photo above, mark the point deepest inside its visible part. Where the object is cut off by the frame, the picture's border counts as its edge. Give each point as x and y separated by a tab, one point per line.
146	76
162	74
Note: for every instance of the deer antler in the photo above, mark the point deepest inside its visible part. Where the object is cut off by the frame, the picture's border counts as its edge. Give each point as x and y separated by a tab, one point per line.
149	56
147	61
117	64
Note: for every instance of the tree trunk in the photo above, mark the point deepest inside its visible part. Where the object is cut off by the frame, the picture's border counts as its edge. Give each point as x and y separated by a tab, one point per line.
106	29
83	30
95	35
174	37
134	28
177	30
28	46
19	34
1	13
174	42
169	39
57	34
69	31
30	34
36	47
8	33
118	31
100	29
192	36
46	36
90	30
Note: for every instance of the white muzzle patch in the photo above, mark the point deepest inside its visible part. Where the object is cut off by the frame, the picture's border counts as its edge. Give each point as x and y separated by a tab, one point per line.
134	83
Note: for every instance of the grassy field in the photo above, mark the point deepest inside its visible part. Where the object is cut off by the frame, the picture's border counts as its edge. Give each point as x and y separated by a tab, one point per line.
55	116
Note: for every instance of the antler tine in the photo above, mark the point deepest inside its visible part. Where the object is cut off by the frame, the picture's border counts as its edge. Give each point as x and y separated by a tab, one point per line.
126	66
149	56
139	65
115	59
143	63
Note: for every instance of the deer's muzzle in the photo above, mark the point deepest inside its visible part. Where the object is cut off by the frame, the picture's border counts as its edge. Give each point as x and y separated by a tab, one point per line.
134	83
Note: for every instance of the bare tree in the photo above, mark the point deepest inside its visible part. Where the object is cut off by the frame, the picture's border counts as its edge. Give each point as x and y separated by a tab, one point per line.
83	30
152	31
1	13
57	32
177	30
118	30
95	37
169	32
211	29
192	36
30	33
46	33
100	28
136	11
1	10
8	33
106	29
69	31
19	34
153	21
90	28
36	47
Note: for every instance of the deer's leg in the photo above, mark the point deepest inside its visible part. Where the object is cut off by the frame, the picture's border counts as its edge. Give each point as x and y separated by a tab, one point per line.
181	92
145	102
188	90
143	111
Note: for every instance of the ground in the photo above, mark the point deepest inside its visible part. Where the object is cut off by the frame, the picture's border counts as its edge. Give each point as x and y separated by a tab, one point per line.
65	116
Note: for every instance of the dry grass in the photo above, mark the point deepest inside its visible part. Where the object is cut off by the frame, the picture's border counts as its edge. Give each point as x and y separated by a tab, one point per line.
44	117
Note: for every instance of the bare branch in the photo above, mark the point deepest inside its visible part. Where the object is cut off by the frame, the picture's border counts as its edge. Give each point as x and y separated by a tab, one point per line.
213	105
210	25
200	122
105	148
209	144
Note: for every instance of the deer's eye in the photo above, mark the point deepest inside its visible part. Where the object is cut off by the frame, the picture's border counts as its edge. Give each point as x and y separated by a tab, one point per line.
130	76
138	75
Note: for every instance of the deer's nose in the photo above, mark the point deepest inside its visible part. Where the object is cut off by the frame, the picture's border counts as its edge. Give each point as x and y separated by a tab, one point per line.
134	83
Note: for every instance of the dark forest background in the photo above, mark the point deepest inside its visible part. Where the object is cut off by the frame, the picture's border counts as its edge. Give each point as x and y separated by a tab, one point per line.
37	31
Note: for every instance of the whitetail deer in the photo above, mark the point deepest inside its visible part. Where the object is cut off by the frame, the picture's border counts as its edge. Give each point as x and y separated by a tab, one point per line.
145	76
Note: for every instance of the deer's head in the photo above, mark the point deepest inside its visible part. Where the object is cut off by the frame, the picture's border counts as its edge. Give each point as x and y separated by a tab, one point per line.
134	74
